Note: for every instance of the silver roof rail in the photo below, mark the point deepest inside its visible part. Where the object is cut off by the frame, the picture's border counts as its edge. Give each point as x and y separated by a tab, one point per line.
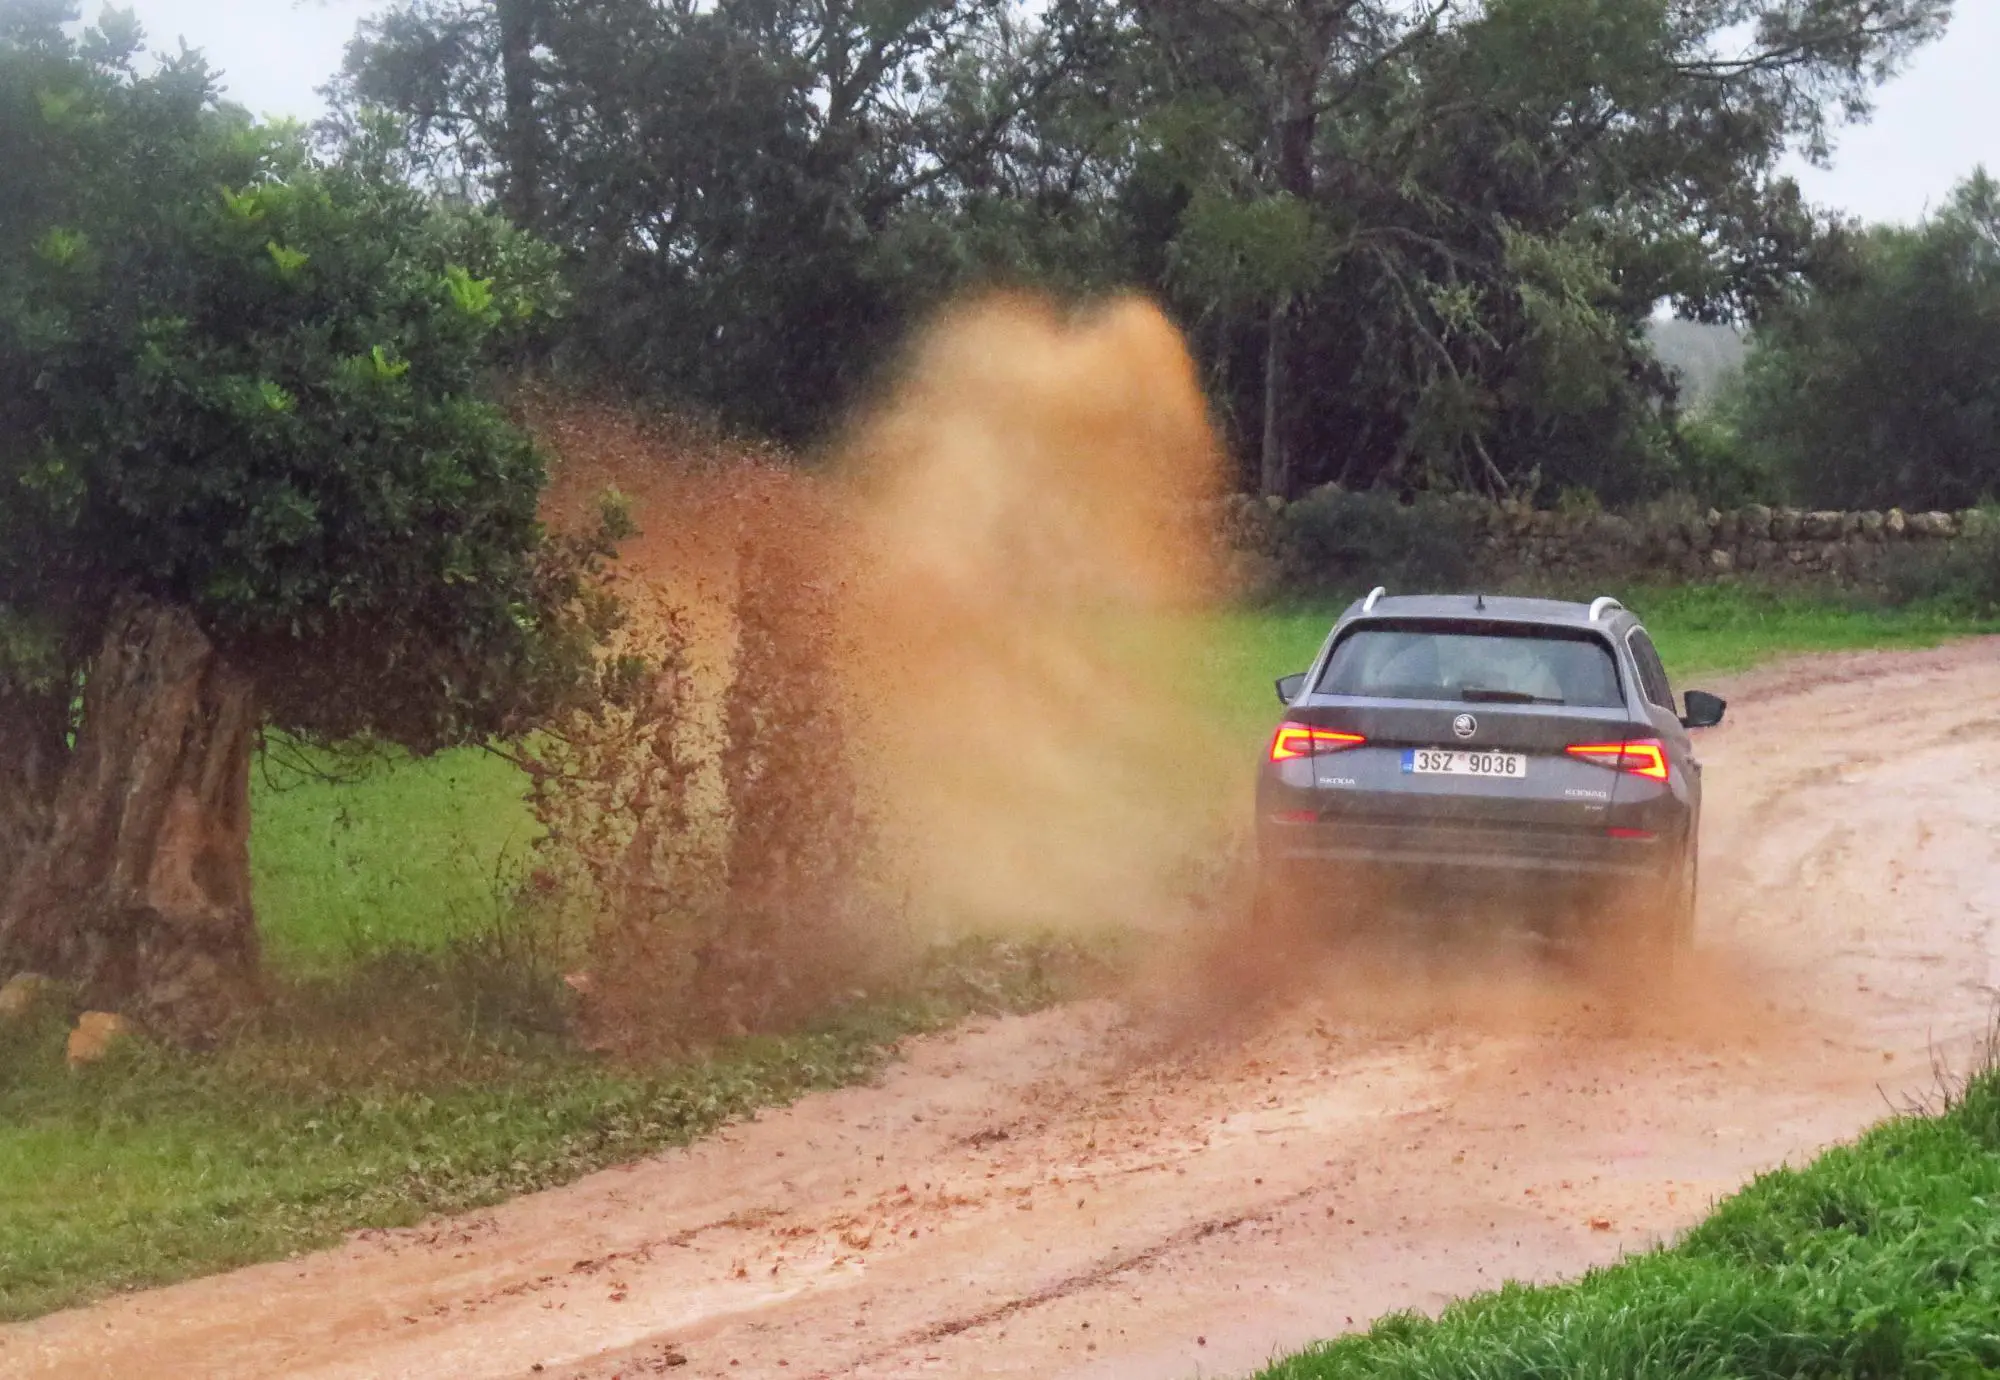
1368	604
1602	605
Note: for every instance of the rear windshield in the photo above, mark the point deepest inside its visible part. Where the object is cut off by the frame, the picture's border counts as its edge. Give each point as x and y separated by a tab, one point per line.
1413	661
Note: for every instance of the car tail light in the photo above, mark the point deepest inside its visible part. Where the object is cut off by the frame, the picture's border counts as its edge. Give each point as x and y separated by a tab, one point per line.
1294	740
1647	757
1633	835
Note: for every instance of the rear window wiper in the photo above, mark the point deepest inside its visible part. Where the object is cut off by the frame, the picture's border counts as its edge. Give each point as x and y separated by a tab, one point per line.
1479	694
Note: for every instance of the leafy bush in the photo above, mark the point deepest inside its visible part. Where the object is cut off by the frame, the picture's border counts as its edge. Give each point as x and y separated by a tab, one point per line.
702	837
1333	539
1714	466
1961	577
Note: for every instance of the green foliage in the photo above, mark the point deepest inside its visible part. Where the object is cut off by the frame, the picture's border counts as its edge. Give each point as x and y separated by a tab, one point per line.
1713	465
1878	1260
1247	253
1878	388
1335	539
1467	220
750	194
255	382
1961	579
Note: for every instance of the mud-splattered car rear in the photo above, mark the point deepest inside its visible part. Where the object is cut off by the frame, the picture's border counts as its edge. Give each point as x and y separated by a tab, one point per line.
1459	746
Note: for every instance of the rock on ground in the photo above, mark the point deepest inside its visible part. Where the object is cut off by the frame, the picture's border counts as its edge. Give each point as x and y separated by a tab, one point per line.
96	1032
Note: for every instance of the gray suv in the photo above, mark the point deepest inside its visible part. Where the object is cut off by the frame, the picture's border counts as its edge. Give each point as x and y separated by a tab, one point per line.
1524	745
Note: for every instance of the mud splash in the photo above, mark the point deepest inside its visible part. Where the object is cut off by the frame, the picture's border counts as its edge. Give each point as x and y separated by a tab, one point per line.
1019	605
1008	546
1027	585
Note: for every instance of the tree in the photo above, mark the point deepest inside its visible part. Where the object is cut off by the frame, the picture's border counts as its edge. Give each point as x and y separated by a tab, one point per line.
1471	209
1417	241
1880	387
727	180
250	475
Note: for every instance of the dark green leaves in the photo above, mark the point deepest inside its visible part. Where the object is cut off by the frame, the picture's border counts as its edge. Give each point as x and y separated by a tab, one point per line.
1880	387
256	381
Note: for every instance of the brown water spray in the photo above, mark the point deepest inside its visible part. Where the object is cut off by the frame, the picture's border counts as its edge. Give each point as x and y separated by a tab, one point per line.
956	678
1028	555
954	681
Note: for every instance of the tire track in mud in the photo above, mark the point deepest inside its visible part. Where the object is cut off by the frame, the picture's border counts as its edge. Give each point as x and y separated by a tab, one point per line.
1096	1277
1086	1194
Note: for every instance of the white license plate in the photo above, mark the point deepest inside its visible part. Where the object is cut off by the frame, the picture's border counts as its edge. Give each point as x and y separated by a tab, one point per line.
1442	762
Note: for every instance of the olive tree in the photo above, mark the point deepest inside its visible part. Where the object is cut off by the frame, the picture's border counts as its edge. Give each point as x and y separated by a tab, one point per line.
252	476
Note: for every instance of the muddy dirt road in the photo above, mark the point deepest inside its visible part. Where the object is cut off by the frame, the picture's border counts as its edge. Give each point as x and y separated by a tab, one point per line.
1077	1194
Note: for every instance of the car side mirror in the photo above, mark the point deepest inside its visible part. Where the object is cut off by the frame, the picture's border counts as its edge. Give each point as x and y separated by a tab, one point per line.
1703	710
1289	687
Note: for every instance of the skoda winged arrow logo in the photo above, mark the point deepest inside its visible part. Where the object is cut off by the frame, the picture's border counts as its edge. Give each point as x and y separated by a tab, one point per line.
1465	725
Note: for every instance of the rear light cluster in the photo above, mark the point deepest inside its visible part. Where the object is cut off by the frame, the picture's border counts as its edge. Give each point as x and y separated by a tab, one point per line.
1294	740
1647	758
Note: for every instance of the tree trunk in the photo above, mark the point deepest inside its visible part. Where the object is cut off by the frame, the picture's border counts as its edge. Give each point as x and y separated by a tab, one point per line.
520	134
1275	476
32	749
139	889
1295	130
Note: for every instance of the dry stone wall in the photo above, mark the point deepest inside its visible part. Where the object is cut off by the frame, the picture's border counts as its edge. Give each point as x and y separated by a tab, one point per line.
1664	541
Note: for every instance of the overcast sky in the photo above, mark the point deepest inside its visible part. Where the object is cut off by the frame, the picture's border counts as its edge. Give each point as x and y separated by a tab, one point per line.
1932	126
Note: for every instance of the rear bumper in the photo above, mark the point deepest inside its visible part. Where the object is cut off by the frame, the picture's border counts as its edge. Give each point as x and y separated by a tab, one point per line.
1454	851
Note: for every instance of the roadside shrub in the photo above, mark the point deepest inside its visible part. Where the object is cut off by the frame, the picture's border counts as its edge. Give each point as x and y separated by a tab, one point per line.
507	975
1336	540
797	834
703	839
1712	464
1961	577
622	867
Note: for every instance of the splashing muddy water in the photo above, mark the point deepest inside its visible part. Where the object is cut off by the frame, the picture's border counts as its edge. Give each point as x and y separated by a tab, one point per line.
1028	557
1008	545
1001	573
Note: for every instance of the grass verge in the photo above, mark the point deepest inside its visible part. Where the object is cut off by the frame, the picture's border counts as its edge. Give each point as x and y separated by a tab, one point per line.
1722	629
1880	1259
399	854
155	1166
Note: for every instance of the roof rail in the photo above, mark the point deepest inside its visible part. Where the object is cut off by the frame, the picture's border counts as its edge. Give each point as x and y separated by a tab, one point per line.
1600	606
1368	604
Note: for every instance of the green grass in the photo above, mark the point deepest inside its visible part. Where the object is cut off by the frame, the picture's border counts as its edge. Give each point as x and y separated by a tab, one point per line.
404	854
1721	629
1880	1259
157	1165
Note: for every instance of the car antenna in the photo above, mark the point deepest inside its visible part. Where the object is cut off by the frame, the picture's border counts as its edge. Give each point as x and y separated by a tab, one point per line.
1479	602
